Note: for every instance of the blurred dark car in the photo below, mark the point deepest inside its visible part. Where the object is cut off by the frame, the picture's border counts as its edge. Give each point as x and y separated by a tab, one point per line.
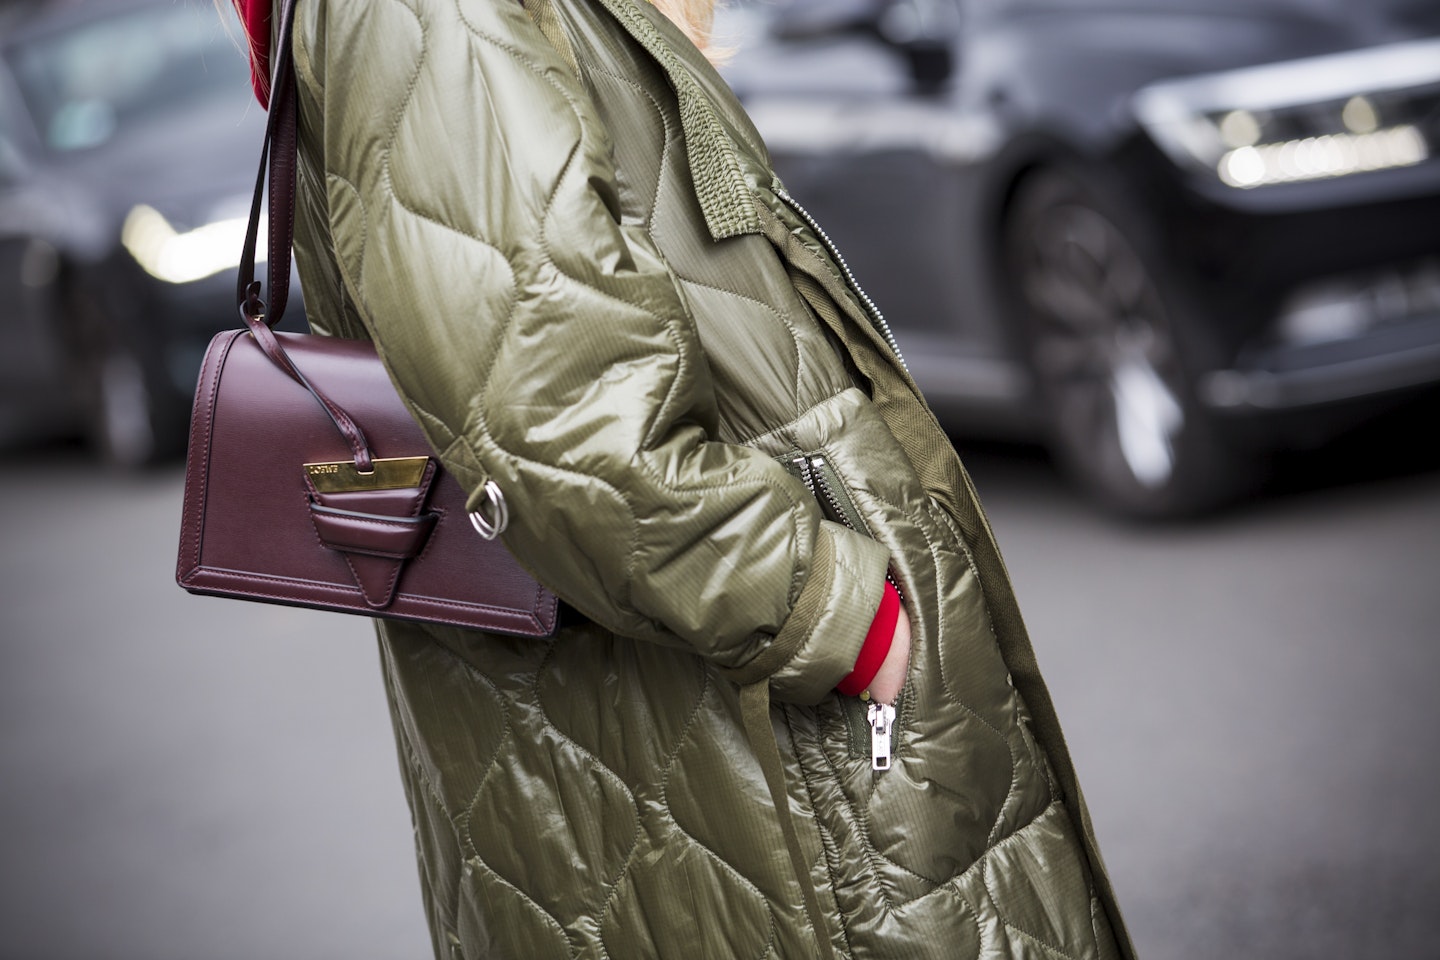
128	145
1169	236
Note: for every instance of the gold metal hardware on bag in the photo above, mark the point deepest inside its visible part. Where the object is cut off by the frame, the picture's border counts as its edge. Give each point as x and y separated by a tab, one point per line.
341	476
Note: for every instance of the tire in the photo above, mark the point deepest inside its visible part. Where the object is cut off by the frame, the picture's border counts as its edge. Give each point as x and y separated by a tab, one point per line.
1113	347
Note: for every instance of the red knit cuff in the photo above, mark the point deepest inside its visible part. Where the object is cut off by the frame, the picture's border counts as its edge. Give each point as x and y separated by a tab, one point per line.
876	646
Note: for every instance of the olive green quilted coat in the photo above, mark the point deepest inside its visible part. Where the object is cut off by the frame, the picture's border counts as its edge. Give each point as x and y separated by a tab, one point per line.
564	237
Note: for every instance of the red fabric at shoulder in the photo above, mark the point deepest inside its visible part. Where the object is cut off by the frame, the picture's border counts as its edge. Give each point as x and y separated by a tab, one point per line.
256	16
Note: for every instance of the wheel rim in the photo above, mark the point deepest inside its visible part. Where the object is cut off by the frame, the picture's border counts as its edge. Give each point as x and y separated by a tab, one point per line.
1102	343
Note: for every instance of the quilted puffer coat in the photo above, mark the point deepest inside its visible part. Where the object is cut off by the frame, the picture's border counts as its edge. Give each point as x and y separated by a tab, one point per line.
565	238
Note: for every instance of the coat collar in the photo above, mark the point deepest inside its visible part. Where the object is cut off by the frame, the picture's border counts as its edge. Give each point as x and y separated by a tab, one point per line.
716	166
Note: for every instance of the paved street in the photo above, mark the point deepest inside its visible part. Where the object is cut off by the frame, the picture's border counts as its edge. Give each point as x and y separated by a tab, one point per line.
1251	703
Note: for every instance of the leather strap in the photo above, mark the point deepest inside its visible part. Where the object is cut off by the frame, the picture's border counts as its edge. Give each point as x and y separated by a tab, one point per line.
278	160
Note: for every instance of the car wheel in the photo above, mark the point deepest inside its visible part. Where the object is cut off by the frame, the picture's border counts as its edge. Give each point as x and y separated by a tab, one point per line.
1111	346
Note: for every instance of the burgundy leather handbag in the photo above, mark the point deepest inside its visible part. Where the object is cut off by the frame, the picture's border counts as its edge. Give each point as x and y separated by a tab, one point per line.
308	482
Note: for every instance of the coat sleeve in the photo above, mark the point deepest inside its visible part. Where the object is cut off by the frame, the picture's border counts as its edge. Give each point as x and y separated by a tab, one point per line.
542	342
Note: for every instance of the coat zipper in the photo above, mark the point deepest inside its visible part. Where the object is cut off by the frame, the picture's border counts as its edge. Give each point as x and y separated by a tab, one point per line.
868	722
875	315
824	483
881	718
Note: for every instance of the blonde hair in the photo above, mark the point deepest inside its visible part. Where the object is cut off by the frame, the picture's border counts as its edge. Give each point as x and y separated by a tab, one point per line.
695	17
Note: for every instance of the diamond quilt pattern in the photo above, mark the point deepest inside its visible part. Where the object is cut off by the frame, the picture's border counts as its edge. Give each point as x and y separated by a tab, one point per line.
595	795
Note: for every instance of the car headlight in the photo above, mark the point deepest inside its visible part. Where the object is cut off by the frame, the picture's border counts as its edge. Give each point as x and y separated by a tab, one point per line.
1329	116
184	256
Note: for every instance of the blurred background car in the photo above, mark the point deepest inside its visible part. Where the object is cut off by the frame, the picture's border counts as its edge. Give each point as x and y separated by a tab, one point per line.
128	145
1167	237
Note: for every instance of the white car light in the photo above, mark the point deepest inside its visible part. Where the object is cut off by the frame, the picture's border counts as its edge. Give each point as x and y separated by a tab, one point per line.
1331	155
1310	119
185	256
1335	308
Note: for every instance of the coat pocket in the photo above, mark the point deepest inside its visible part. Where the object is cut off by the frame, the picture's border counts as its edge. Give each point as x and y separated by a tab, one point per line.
819	476
864	740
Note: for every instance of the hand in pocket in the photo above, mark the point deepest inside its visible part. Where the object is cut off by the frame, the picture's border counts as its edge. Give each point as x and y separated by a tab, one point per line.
891	677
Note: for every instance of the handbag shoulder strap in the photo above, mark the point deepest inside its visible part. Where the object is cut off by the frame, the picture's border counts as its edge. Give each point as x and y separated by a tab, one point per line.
278	160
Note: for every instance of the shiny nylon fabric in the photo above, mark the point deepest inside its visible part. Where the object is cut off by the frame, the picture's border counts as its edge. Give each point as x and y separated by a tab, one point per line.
569	250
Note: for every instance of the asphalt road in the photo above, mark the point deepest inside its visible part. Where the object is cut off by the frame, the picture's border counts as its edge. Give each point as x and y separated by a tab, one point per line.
1251	702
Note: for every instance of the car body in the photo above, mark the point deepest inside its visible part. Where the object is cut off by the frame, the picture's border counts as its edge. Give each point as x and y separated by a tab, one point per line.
132	138
1169	236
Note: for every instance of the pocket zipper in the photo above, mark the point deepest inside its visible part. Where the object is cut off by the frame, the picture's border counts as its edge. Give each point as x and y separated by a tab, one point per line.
881	717
824	485
874	723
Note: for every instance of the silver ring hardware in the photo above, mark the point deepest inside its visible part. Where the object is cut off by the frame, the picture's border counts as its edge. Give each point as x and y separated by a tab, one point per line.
487	528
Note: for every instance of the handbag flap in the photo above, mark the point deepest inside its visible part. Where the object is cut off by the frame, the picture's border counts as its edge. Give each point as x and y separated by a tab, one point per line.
255	525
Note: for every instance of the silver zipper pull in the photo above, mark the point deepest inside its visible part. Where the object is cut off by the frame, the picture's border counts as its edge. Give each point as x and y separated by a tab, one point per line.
882	721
